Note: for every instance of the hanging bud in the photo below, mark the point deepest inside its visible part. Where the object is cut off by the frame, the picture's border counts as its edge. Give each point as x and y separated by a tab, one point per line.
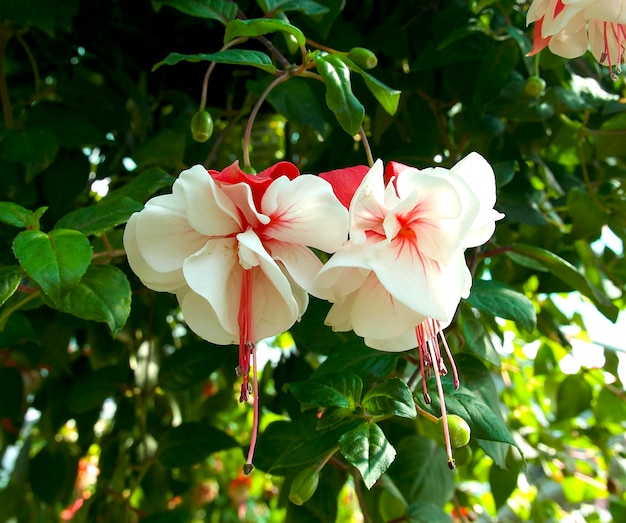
201	126
363	57
460	431
304	486
535	86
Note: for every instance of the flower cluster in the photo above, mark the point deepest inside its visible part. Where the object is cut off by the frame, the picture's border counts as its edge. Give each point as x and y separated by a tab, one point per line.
570	27
236	249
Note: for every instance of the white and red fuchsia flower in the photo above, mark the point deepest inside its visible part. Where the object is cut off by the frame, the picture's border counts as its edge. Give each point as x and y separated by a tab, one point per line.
235	249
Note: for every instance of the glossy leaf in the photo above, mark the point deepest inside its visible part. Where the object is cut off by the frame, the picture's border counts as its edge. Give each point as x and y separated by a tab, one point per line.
308	7
99	218
392	396
229	56
56	261
367	448
262	26
190	443
477	337
339	96
191	365
566	272
16	215
10	278
330	390
103	295
142	186
498	299
220	10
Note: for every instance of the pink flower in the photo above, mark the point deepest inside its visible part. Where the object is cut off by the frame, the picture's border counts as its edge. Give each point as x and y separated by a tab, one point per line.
570	27
235	249
399	279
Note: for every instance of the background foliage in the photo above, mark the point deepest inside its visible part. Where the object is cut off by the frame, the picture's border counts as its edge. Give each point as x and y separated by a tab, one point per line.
112	411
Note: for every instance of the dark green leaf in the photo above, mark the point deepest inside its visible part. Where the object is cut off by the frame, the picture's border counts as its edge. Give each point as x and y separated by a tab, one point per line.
503	481
89	391
16	215
192	442
573	397
220	10
261	26
190	365
52	473
330	390
587	214
421	471
367	448
103	295
308	7
392	396
498	299
611	142
35	148
386	96
10	278
142	186
567	273
477	338
339	96
229	56
56	261
99	218
425	512
495	70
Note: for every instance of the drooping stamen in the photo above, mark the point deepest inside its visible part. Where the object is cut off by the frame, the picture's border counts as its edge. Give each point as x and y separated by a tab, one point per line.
247	349
455	373
442	403
419	334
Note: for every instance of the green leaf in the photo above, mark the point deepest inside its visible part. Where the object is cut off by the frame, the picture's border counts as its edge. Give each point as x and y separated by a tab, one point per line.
610	142
573	397
567	273
498	299
191	365
477	338
261	26
52	473
386	96
10	278
587	214
330	390
425	512
421	471
220	10
190	443
142	186
56	261
99	218
229	56
339	96
89	391
392	396
103	295
308	7
16	215
503	481
35	148
367	448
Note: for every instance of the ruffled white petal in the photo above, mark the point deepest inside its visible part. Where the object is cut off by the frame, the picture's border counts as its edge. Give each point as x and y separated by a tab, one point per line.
305	211
368	209
300	263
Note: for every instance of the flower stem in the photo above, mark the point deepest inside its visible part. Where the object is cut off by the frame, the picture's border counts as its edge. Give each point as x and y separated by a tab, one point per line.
253	113
207	75
426	414
366	144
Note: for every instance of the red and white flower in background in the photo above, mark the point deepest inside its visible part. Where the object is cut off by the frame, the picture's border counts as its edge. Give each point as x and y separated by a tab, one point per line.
235	249
399	279
570	27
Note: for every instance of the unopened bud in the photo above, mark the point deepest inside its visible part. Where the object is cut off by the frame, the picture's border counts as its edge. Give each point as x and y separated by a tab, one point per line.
534	86
304	486
363	57
201	126
460	431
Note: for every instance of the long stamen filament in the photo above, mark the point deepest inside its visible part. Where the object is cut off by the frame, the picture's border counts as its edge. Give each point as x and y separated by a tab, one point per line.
444	418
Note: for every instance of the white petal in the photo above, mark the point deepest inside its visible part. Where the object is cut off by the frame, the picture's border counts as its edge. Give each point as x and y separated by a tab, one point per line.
300	263
344	273
201	319
215	274
305	211
403	342
376	313
209	210
157	281
241	196
339	315
368	210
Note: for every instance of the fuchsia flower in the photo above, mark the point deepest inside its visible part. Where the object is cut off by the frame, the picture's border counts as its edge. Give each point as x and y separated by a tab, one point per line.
399	279
570	27
235	249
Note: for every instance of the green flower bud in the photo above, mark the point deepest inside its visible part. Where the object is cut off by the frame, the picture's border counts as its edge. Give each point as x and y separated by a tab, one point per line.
460	431
304	486
363	57
535	86
463	456
201	126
